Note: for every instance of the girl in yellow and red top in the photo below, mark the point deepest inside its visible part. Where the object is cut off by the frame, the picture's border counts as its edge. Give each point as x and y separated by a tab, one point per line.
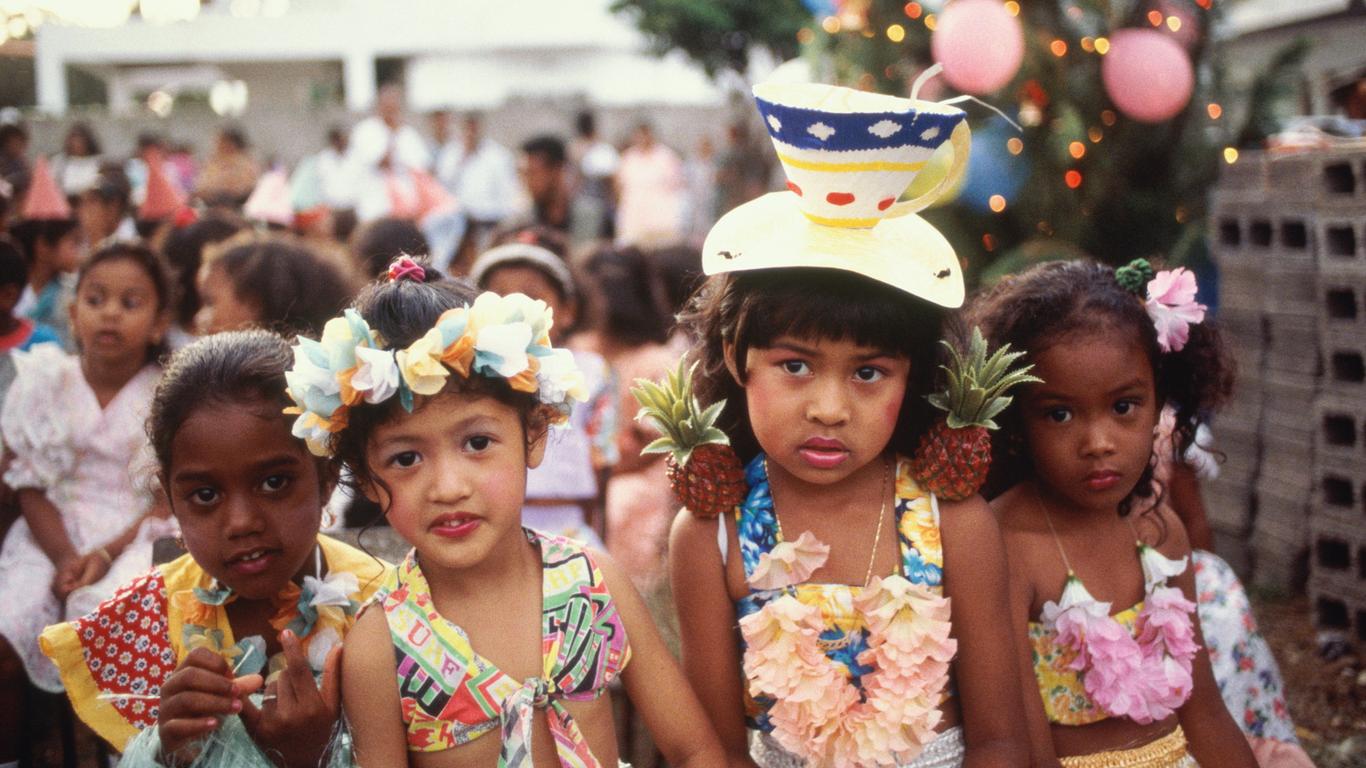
1075	460
165	671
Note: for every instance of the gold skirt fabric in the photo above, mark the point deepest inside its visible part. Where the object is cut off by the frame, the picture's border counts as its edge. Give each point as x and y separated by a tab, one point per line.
1167	752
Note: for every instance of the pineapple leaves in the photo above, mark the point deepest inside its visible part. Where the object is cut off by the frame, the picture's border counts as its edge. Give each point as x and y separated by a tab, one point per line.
976	383
671	407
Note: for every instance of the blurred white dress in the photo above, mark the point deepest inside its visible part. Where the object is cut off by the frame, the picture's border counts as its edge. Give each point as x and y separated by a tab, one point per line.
83	458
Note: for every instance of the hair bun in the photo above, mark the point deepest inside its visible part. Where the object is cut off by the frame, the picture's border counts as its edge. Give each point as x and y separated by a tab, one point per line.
406	268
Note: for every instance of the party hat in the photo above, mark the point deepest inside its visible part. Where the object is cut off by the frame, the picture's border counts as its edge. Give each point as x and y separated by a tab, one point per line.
849	157
44	200
163	200
271	201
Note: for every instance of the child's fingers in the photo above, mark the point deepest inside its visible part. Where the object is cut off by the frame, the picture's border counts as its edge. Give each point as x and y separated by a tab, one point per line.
195	705
198	680
175	733
297	677
251	717
207	660
241	686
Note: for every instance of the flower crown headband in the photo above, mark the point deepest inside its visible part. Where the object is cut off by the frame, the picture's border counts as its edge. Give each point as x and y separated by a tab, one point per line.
1169	296
497	336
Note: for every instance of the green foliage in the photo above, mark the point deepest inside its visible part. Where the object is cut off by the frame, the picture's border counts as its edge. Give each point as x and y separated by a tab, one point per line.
719	33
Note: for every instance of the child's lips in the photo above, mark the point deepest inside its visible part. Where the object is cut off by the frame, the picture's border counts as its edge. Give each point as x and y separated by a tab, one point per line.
1103	480
823	452
252	562
455	526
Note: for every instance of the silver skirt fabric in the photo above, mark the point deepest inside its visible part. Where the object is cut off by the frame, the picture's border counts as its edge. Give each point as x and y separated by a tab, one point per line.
946	751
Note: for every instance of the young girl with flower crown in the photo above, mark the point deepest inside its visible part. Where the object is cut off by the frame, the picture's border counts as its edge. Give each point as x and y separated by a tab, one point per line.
869	607
491	642
164	669
1084	525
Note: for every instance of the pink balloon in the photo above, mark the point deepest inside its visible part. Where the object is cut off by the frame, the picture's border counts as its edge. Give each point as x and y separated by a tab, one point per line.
1147	75
980	45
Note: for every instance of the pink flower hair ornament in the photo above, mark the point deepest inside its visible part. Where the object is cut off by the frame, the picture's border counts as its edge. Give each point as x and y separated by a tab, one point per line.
1169	297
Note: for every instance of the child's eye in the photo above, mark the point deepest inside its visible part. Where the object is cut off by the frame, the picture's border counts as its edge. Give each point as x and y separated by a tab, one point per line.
131	303
1059	415
868	374
275	483
479	443
796	367
405	459
1125	407
203	496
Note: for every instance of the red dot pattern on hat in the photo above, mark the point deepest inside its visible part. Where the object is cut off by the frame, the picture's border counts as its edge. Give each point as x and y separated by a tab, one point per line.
793	186
885	204
839	198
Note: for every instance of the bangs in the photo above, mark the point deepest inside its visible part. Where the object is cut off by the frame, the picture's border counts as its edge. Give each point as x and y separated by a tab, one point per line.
833	305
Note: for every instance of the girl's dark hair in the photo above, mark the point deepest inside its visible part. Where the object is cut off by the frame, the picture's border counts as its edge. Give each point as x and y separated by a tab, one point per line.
29	231
377	243
1052	301
751	310
142	256
294	288
184	252
628	297
401	312
83	130
240	368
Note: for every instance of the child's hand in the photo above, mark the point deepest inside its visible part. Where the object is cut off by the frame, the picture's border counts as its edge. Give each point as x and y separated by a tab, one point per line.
194	701
78	572
295	728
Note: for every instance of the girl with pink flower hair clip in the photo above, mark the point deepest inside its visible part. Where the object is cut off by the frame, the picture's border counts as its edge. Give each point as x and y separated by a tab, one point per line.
1086	525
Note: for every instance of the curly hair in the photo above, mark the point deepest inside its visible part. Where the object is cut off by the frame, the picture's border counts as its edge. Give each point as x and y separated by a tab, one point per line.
751	310
1055	300
293	286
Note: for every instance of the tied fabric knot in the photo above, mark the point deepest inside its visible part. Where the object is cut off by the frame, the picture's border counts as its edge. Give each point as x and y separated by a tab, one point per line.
519	710
404	268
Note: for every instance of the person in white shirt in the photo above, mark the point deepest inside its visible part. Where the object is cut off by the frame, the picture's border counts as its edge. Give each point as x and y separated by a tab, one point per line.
382	152
334	176
482	174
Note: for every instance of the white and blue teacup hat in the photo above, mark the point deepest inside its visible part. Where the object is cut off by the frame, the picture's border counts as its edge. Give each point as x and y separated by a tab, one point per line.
849	157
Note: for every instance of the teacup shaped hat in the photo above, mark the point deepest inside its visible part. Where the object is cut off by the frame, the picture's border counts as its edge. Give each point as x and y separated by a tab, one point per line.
849	155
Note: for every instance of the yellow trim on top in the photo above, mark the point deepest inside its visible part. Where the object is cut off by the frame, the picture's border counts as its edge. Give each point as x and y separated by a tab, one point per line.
842	223
871	165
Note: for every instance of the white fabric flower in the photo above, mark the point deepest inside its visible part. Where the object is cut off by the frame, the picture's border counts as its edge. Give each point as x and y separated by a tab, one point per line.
1074	595
1157	568
336	589
376	374
306	374
559	379
507	344
319	645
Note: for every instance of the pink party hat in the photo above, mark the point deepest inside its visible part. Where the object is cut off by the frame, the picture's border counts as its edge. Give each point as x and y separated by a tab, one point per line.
44	200
271	201
163	199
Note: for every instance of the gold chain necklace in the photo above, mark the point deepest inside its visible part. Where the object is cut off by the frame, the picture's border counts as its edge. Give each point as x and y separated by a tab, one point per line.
881	516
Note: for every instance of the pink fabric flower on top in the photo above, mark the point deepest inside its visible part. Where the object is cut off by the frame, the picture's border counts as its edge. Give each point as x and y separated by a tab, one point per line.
1165	623
789	563
1171	305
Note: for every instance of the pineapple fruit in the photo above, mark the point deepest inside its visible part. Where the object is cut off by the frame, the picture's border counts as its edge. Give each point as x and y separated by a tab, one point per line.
703	470
954	455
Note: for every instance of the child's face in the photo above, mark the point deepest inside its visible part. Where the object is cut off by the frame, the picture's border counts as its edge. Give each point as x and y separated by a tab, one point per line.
516	278
115	313
452	476
220	309
247	496
822	409
1089	426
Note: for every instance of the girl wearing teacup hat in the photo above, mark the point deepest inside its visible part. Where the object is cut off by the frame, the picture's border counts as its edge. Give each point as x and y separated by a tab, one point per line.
855	585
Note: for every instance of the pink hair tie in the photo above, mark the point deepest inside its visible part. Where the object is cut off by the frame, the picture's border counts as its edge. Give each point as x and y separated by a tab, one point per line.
404	268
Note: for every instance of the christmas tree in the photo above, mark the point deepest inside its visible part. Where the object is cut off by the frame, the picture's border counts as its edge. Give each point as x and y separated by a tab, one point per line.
1119	131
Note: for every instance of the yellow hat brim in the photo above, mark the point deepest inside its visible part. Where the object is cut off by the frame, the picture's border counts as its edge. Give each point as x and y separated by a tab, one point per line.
771	232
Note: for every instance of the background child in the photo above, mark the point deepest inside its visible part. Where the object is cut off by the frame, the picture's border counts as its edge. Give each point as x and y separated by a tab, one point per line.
553	624
51	241
630	330
16	332
563	493
258	582
71	425
1077	458
824	374
271	281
